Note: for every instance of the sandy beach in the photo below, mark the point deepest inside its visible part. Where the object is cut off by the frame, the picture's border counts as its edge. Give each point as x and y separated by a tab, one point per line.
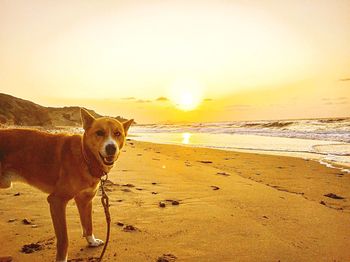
219	206
235	116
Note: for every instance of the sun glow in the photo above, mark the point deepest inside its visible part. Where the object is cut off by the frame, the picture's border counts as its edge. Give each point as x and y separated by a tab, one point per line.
186	94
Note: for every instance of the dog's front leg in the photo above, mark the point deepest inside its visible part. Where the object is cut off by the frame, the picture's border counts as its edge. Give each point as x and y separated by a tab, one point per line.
58	215
84	204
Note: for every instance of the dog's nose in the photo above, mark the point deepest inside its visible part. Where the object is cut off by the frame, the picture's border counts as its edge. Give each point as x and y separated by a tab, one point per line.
110	149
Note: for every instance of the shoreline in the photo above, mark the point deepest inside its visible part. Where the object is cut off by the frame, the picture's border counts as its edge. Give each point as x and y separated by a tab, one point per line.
315	156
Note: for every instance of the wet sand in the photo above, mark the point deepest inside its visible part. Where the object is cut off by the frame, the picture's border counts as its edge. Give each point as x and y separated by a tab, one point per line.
194	204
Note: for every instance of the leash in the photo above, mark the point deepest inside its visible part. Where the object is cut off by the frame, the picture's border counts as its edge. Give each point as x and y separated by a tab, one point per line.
105	204
96	172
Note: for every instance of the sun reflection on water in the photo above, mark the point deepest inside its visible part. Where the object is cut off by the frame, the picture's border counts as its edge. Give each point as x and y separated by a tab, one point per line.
186	138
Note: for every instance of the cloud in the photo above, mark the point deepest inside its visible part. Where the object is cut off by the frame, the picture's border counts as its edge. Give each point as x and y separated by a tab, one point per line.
128	98
336	103
344	79
162	99
328	103
143	101
342	98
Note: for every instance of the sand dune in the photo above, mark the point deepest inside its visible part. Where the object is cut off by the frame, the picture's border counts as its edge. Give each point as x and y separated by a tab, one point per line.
219	206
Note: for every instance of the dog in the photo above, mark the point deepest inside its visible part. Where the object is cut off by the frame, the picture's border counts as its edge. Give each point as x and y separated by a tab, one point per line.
65	167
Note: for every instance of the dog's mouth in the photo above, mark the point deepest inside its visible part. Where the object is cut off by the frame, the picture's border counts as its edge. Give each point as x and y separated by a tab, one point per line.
108	160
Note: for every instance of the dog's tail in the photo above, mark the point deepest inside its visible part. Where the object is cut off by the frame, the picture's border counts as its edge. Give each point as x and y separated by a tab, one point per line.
5	181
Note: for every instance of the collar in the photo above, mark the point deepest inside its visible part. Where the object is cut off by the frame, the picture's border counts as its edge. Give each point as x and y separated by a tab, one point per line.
95	168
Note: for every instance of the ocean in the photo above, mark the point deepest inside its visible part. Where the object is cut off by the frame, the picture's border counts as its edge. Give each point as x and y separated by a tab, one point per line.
324	140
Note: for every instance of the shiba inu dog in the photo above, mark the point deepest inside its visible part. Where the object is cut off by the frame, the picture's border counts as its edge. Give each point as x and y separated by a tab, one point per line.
65	167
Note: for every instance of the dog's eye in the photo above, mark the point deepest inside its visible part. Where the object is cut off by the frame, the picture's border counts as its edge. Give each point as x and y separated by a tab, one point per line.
100	133
117	133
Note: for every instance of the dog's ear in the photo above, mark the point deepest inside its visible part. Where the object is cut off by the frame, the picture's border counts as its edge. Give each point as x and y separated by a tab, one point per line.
127	124
86	118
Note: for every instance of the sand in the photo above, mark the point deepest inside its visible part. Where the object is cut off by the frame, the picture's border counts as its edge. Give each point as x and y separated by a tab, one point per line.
230	207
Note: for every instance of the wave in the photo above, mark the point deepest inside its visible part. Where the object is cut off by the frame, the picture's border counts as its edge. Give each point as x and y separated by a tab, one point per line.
333	120
275	124
326	139
332	129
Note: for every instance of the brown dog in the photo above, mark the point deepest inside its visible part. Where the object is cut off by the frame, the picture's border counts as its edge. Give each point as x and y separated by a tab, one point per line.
65	167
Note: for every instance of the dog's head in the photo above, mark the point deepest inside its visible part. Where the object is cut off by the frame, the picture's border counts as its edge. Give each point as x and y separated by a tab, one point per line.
104	137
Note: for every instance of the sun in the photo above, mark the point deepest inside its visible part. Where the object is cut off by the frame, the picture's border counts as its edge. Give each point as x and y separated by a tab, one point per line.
186	94
187	101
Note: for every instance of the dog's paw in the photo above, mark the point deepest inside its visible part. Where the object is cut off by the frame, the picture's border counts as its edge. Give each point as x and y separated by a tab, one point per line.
94	242
62	260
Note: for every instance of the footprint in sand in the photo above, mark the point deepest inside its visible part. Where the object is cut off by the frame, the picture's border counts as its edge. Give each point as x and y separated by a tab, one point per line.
130	228
167	258
223	174
215	187
173	202
34	247
205	161
26	221
129	185
334	196
30	248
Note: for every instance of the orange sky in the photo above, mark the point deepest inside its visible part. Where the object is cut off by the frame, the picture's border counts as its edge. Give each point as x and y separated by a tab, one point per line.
233	60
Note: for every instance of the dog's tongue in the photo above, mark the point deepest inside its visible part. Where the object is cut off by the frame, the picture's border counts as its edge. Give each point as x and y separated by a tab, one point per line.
109	158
